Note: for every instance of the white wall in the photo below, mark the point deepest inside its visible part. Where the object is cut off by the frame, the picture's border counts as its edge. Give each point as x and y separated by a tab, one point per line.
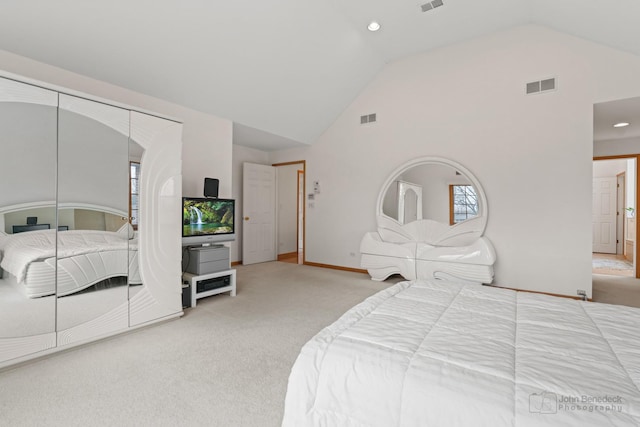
533	154
617	147
241	155
206	139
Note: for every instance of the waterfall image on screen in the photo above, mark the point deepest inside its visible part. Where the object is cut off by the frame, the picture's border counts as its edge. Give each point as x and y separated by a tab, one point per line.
206	217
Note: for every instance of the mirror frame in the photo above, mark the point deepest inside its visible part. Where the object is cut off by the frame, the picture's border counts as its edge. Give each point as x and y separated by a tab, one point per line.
482	216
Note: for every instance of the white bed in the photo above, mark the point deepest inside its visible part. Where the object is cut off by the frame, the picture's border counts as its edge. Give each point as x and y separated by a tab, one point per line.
84	258
444	354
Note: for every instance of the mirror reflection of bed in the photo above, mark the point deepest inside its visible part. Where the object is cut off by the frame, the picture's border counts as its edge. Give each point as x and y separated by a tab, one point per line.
101	247
68	253
96	252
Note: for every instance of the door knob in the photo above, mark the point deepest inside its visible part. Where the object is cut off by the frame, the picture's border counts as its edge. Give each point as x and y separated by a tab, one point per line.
246	218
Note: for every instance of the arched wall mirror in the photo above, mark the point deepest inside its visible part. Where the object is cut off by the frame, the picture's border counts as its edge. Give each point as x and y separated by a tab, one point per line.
450	193
431	214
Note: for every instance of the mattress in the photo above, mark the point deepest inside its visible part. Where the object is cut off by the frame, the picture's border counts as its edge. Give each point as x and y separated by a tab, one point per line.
84	259
80	272
436	353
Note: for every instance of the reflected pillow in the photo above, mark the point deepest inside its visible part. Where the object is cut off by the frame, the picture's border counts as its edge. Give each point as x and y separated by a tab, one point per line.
126	230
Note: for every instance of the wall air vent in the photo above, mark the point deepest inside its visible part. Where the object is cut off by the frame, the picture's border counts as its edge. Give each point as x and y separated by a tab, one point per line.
541	86
368	118
431	5
548	84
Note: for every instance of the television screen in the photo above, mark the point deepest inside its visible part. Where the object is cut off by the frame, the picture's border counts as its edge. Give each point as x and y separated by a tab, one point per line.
208	218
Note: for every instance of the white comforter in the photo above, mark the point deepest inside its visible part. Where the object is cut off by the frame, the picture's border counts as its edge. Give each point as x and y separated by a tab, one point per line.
444	354
19	250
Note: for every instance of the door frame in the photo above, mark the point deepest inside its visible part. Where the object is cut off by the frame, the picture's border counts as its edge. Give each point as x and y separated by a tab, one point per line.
304	207
300	204
620	206
636	254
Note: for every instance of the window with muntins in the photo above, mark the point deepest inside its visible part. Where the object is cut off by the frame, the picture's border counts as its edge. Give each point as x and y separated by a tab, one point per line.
463	203
134	193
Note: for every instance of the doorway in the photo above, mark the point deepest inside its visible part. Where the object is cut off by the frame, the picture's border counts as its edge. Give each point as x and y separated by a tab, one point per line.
616	136
614	203
291	211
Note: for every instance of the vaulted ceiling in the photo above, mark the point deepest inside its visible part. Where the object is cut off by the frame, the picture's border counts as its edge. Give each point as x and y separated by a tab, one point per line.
281	70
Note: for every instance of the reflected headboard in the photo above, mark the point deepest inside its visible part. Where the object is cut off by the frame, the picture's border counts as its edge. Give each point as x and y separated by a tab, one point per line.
33	227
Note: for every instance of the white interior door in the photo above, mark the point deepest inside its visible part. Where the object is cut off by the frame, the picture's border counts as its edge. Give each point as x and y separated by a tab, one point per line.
259	213
604	215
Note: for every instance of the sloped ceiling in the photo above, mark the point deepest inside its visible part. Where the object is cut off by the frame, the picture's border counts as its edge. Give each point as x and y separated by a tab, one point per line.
281	70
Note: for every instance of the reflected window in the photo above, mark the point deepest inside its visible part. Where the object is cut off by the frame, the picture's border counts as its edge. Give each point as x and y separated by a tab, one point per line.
463	203
134	193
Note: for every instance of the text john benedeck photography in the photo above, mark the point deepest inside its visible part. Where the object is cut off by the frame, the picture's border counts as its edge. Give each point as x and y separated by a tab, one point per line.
550	403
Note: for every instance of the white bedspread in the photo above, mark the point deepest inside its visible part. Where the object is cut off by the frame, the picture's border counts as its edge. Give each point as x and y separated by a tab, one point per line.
19	250
443	354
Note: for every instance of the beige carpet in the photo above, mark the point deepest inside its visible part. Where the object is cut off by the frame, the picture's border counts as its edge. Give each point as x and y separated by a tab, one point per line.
225	363
616	290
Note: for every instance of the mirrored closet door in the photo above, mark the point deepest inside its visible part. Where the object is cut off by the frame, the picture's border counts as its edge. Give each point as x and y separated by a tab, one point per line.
136	154
89	219
28	127
93	219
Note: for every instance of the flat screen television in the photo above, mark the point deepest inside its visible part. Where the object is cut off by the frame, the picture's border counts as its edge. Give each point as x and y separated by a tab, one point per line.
206	221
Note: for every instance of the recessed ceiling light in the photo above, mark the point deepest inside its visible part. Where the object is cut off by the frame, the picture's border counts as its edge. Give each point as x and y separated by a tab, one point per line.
621	125
373	26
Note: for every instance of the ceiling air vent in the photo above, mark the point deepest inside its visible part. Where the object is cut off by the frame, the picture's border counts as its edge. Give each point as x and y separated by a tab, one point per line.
431	5
541	86
367	118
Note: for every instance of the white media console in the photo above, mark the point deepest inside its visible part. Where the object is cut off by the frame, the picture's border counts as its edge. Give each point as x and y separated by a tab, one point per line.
207	271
